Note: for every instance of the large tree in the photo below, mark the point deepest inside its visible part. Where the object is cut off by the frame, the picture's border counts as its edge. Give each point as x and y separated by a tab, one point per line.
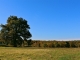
15	31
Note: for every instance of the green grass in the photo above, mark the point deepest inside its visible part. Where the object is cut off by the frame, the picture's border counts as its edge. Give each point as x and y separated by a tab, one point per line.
11	53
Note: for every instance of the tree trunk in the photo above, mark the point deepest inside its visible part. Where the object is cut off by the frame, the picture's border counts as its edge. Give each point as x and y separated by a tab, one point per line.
15	43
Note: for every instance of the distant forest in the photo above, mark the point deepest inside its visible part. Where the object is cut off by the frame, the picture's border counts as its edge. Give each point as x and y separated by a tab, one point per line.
56	44
48	44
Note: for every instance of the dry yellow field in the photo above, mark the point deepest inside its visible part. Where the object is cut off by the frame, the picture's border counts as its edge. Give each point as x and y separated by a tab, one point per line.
11	53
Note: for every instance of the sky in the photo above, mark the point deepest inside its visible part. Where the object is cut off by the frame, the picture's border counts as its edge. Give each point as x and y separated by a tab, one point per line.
48	19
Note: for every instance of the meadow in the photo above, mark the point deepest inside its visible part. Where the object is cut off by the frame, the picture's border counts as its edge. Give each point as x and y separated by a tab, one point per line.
12	53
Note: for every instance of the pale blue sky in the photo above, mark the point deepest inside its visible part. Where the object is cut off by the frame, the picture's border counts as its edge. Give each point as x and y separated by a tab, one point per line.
48	19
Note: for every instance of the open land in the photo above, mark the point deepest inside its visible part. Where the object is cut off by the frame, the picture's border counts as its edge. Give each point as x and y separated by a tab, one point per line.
23	53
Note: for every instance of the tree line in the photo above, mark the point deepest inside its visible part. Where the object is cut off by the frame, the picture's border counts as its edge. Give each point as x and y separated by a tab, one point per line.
56	44
48	44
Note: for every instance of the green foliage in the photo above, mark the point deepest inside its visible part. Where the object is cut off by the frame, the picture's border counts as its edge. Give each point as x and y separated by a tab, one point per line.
15	31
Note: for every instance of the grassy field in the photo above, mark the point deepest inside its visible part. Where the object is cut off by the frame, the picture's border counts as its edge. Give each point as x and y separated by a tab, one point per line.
10	53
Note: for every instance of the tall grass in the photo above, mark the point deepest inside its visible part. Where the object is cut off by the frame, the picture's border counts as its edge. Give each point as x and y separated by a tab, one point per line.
11	53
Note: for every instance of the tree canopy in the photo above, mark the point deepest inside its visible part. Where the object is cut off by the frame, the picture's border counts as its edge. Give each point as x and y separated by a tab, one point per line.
15	31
